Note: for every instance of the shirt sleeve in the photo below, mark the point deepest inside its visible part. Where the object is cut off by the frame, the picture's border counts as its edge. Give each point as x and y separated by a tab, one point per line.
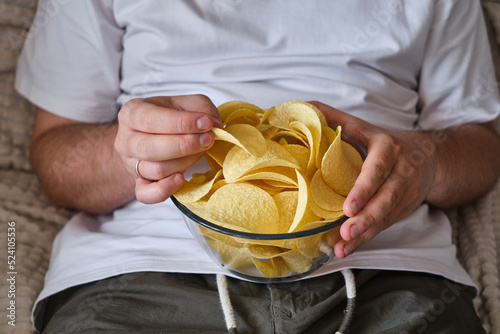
70	63
457	81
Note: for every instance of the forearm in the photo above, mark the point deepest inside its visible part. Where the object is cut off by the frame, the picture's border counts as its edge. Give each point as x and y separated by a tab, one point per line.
467	163
79	168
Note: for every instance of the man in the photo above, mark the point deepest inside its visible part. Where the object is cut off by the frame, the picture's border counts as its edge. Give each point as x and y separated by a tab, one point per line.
415	86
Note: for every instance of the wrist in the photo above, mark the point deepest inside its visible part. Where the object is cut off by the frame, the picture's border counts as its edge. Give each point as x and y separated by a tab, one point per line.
424	158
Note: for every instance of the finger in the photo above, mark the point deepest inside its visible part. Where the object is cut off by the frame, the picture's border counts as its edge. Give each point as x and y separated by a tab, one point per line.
157	170
150	118
379	213
143	146
344	248
149	192
198	102
382	156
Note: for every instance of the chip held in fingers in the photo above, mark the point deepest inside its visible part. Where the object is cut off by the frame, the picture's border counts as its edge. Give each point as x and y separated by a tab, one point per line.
276	173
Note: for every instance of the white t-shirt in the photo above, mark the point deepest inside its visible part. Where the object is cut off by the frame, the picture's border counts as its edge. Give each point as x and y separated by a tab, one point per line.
398	64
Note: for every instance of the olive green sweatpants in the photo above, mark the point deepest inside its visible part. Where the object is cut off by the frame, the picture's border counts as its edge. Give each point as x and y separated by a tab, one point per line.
387	302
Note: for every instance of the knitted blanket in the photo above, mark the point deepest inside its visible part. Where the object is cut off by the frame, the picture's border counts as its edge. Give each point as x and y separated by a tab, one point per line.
25	212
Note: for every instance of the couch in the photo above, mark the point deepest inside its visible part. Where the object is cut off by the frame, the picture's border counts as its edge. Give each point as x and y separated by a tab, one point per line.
476	226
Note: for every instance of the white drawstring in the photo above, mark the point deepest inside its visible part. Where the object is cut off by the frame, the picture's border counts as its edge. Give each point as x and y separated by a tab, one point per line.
228	311
350	287
227	308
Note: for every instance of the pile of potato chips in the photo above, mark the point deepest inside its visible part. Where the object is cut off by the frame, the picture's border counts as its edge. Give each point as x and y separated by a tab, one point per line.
273	171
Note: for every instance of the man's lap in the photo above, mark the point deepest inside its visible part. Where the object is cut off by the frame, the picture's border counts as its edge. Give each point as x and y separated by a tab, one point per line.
387	302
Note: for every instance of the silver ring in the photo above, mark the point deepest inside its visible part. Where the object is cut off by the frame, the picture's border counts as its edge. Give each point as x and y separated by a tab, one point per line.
137	173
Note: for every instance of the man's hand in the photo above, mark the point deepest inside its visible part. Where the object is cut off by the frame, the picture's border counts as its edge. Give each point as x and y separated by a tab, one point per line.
167	134
405	168
78	166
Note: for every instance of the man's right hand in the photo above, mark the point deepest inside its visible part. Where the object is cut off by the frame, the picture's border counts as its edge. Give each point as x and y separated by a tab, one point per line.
167	135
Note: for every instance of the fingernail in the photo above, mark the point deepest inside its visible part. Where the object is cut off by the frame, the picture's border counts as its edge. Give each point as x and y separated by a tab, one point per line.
347	250
355	231
178	180
205	139
355	207
204	123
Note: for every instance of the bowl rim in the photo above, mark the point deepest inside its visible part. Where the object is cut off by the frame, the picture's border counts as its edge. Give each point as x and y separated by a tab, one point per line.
255	236
275	236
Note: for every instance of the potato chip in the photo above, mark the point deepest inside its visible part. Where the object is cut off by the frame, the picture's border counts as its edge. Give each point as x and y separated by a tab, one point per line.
214	240
325	196
262	184
272	268
313	145
265	116
268	131
315	245
226	109
291	111
330	134
297	262
243	116
267	175
239	162
216	186
280	266
281	185
244	205
325	214
266	267
299	115
286	135
300	153
214	165
303	213
286	202
193	191
288	172
222	239
245	136
218	151
233	257
322	148
200	178
341	165
265	251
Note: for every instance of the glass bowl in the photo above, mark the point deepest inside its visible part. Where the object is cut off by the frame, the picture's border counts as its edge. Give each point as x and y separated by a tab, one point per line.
267	258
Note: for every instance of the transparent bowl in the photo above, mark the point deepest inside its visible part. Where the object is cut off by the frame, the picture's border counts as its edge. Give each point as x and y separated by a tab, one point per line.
267	258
